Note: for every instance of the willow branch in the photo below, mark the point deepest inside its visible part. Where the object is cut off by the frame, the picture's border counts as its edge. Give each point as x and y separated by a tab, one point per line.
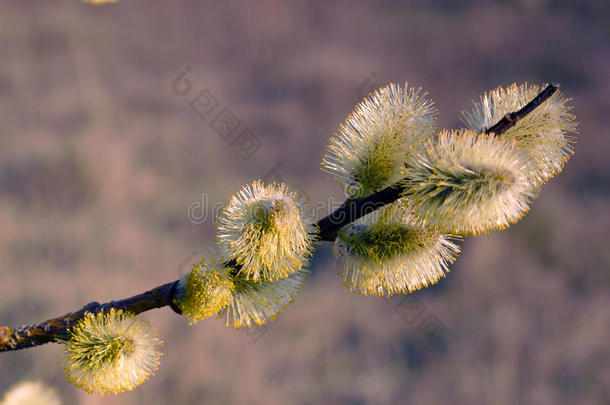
352	209
57	328
511	119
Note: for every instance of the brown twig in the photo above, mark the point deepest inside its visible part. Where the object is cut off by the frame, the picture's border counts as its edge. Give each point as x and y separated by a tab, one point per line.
510	119
57	328
351	210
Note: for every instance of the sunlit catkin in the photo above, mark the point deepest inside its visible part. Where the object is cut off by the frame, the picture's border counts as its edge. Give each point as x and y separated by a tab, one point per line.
111	352
31	393
546	134
385	254
367	153
467	183
205	290
256	303
268	230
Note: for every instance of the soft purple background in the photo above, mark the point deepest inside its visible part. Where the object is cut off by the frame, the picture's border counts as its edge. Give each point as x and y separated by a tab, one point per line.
100	160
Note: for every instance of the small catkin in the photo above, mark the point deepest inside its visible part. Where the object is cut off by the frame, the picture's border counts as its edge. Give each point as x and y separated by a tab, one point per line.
31	393
207	289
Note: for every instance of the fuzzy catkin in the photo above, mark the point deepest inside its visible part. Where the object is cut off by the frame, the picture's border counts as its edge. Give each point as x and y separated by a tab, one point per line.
256	303
467	183
111	352
207	289
268	230
546	134
367	153
386	253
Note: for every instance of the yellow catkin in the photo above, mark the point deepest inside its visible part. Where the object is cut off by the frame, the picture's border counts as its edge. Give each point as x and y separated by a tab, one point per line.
207	289
256	303
368	152
546	134
268	230
111	352
467	183
386	254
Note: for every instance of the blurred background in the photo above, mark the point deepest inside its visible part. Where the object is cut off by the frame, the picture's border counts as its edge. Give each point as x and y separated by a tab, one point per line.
125	127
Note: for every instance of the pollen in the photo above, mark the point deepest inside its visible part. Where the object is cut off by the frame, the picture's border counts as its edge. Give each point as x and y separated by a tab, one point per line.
208	288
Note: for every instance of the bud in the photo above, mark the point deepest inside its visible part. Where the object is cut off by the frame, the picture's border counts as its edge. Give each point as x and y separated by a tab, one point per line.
31	393
267	230
369	150
546	133
111	352
204	291
467	183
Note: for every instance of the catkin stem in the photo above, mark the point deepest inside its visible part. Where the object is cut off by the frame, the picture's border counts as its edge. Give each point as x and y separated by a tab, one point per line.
56	329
